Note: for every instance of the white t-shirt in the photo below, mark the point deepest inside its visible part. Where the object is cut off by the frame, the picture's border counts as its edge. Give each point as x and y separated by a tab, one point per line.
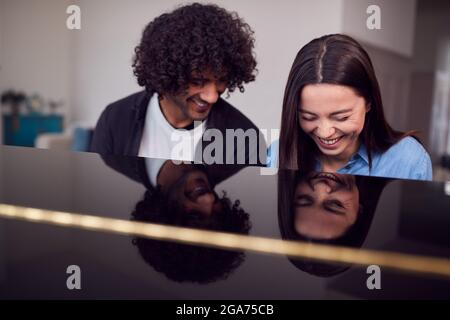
161	140
153	166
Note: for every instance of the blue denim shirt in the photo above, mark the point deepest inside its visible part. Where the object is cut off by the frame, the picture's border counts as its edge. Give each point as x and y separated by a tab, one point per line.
407	159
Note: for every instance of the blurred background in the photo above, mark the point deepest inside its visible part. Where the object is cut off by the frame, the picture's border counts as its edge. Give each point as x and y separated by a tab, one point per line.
55	82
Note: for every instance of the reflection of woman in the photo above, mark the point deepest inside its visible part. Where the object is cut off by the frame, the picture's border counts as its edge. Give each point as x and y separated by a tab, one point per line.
333	117
183	195
326	205
326	208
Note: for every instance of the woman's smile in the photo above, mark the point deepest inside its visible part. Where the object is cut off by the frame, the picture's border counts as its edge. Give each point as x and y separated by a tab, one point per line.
329	143
333	116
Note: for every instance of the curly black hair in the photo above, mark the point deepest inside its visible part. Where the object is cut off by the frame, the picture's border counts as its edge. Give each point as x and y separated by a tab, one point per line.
177	46
183	262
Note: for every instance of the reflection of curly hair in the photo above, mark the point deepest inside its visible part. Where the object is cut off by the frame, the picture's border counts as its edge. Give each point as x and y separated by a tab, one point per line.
182	262
179	45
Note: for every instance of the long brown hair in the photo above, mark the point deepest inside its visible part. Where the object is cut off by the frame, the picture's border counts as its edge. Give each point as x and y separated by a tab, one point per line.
370	190
333	59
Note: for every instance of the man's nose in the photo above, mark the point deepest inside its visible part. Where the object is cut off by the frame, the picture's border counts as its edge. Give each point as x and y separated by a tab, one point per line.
205	203
325	130
210	93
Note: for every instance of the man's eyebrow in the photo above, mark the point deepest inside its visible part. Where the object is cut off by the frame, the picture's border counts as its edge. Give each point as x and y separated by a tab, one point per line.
203	78
222	79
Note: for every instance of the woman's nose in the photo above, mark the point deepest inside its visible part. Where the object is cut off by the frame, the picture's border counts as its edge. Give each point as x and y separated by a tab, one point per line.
325	130
322	185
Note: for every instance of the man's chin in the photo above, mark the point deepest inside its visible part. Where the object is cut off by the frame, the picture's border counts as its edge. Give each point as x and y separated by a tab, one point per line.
199	116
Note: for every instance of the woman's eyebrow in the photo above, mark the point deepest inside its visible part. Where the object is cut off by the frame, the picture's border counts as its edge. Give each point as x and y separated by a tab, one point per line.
339	212
341	111
301	197
331	114
306	111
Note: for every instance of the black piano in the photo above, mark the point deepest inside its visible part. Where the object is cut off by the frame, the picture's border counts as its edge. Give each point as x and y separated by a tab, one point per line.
368	215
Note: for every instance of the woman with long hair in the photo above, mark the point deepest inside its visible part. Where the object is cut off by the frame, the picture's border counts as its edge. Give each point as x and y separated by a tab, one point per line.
326	208
333	119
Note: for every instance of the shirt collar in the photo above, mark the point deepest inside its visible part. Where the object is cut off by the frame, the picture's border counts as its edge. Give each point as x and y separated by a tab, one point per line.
362	153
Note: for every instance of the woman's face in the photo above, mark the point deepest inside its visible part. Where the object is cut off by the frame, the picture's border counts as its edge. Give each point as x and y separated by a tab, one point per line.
333	116
326	205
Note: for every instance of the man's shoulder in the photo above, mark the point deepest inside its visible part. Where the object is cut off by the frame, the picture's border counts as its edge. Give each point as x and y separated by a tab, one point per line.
126	104
225	117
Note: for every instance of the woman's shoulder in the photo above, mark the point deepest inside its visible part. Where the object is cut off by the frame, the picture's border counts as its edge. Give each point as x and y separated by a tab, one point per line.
272	154
409	148
409	159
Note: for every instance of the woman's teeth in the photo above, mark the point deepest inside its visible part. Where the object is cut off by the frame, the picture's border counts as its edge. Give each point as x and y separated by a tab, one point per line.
326	175
329	141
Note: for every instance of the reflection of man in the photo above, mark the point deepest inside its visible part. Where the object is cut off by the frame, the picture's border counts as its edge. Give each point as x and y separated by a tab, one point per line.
187	186
183	262
185	61
183	195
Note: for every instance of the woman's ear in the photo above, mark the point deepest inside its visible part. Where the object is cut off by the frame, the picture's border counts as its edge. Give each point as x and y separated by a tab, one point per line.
368	107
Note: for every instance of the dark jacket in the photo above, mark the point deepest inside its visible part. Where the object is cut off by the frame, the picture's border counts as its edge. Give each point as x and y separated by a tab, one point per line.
120	127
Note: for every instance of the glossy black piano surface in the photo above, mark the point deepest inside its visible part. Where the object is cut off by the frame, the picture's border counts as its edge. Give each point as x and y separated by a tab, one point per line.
368	213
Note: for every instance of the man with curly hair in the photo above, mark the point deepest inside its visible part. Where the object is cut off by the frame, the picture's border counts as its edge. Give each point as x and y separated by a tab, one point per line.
185	195
185	61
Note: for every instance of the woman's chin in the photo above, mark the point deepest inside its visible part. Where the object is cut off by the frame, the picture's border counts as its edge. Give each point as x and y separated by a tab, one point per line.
330	153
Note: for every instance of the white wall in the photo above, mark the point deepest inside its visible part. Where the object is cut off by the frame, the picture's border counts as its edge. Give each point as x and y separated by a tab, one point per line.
393	72
1	65
91	67
2	231
397	24
104	46
35	48
443	54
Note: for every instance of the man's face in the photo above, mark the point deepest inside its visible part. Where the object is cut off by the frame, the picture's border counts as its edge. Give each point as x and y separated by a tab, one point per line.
196	102
190	187
198	195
